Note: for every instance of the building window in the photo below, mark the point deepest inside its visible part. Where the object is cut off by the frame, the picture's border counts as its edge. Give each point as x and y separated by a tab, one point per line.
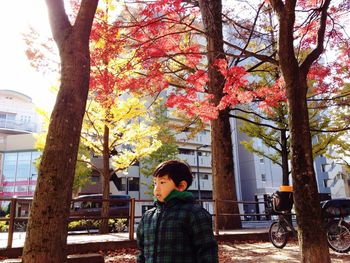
186	151
23	166
203	153
7	116
204	176
23	189
324	167
33	170
9	167
134	184
261	160
31	189
8	190
19	170
263	177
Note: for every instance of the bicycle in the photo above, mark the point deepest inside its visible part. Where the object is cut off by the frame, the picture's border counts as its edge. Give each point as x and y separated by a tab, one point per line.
337	229
281	230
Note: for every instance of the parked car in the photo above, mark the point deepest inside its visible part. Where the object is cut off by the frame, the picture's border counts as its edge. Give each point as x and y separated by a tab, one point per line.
91	206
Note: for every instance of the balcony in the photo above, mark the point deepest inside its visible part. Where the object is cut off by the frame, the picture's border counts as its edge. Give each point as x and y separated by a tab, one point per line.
198	139
204	161
16	127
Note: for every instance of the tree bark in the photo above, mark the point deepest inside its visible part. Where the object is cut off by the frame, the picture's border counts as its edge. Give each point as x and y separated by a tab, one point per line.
224	187
47	227
284	157
311	230
105	178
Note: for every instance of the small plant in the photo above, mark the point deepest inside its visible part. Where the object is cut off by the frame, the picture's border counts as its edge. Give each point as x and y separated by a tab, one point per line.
115	225
20	226
4	226
119	225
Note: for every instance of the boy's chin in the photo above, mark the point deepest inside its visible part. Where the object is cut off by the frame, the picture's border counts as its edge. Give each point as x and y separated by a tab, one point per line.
160	200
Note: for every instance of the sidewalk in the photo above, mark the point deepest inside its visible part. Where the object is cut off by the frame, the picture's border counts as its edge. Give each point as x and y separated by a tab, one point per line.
19	237
84	243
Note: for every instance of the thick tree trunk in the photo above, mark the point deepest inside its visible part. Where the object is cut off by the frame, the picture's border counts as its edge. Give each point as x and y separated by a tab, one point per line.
47	227
105	185
224	187
311	231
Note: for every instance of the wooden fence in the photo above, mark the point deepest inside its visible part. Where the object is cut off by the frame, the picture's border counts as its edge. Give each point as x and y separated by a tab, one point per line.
20	206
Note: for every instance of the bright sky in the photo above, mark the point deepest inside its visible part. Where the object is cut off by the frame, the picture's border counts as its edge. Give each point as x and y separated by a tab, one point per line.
16	72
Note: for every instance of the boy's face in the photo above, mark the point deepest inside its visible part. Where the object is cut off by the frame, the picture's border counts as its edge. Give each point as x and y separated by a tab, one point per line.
162	187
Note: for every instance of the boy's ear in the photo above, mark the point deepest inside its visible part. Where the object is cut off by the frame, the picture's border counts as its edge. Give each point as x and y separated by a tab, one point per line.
182	186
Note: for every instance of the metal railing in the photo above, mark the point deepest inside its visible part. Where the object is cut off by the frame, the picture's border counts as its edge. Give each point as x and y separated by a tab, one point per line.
18	125
131	217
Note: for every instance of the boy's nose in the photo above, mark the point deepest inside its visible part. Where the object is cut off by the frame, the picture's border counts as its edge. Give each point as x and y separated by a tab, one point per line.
156	189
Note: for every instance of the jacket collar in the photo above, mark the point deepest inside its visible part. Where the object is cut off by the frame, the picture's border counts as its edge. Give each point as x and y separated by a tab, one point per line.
176	195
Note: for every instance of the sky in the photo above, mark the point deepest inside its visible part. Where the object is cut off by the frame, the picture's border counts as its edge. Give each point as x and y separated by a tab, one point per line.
16	72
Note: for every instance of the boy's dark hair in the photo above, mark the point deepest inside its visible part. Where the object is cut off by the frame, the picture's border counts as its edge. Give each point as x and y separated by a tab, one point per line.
176	170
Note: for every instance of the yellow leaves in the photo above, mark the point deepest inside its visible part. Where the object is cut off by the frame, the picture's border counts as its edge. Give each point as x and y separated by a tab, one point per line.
132	132
130	108
101	43
139	148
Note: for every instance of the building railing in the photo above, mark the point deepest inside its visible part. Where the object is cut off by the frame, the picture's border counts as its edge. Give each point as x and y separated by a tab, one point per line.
13	217
18	125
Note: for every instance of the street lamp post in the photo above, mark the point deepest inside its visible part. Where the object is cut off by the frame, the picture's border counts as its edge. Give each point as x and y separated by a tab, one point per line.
198	177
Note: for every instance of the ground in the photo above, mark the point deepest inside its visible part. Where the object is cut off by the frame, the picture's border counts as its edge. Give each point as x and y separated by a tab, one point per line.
238	252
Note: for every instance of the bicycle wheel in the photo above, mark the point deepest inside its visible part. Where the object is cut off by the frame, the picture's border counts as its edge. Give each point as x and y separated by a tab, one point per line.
278	234
338	236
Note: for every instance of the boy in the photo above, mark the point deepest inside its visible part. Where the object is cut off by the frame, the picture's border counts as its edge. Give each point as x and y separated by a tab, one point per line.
176	229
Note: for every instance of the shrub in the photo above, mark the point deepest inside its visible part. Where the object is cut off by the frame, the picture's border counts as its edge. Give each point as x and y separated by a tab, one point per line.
115	225
4	226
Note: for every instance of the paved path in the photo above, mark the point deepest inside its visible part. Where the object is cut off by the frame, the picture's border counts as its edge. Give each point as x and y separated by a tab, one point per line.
19	237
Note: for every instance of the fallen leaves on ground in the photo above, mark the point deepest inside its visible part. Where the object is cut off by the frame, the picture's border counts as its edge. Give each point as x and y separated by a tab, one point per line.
234	252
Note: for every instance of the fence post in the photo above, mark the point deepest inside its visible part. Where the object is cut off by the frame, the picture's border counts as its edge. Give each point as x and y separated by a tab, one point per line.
257	208
12	222
216	209
132	219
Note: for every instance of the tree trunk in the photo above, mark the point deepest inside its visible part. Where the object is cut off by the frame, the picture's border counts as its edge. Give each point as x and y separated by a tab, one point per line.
105	185
46	236
224	187
311	230
284	157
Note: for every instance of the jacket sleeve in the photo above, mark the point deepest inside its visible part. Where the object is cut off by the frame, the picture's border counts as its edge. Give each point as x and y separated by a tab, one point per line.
140	242
203	237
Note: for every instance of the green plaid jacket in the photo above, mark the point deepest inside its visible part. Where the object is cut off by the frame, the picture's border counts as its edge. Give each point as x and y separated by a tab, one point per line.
177	231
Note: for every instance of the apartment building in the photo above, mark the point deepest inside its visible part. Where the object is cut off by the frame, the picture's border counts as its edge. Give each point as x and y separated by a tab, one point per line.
18	122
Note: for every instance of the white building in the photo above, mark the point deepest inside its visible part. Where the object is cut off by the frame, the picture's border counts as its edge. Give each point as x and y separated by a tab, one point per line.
18	122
